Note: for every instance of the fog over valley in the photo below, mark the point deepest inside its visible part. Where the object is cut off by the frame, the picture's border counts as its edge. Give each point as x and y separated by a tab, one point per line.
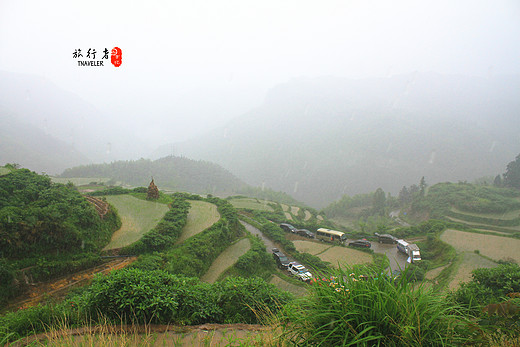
313	100
267	173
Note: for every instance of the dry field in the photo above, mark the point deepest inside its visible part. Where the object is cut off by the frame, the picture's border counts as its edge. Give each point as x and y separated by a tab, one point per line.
333	254
470	262
226	259
494	247
202	215
137	217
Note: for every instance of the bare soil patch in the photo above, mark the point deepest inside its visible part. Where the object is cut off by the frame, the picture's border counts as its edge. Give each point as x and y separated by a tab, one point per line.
308	215
294	210
226	259
288	216
157	335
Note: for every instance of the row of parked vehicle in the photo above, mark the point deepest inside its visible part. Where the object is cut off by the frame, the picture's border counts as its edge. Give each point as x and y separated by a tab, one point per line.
301	232
324	234
295	269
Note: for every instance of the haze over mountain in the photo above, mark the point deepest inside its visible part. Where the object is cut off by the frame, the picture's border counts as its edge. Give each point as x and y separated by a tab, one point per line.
66	117
32	148
320	138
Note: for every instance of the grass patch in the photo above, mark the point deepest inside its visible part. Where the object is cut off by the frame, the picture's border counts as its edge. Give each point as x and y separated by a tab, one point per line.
137	217
202	215
378	311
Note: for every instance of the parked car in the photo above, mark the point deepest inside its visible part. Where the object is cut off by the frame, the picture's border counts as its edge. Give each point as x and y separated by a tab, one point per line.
305	233
386	238
298	270
281	259
360	243
288	227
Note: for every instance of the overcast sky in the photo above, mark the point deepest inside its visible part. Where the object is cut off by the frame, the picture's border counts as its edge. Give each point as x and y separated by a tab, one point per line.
198	63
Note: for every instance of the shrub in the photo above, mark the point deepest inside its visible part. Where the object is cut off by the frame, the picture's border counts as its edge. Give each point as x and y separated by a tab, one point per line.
347	310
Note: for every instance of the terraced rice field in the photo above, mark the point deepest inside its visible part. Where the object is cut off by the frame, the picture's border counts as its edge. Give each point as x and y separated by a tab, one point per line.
491	227
226	259
319	217
251	204
288	215
310	247
494	247
294	210
470	262
308	215
284	207
202	215
4	171
289	287
335	255
503	215
137	217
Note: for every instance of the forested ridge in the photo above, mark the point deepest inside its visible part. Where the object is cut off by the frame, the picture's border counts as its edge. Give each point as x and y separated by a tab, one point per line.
175	173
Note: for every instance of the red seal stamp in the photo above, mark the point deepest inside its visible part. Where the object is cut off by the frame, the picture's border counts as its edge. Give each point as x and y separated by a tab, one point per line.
116	56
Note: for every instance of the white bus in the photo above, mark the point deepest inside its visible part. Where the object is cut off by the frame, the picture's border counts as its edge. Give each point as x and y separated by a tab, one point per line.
402	246
330	235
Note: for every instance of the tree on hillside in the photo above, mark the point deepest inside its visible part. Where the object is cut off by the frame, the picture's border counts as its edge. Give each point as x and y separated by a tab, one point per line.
498	181
512	175
422	186
379	201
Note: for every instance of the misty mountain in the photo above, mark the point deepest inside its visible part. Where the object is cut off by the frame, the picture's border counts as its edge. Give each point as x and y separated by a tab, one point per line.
170	173
30	147
66	117
318	139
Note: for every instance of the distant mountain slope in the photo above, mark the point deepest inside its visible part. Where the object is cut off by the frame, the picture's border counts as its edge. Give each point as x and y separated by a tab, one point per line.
175	173
318	139
30	147
67	117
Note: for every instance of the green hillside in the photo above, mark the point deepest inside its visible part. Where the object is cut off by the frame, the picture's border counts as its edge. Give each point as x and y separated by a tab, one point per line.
48	229
171	173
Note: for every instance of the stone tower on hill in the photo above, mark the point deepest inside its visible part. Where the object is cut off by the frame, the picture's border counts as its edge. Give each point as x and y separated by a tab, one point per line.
153	191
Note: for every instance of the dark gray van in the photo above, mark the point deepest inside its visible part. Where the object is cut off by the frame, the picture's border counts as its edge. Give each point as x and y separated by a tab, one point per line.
386	238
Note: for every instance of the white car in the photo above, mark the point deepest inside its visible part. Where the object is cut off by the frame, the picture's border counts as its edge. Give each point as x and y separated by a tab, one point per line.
298	270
